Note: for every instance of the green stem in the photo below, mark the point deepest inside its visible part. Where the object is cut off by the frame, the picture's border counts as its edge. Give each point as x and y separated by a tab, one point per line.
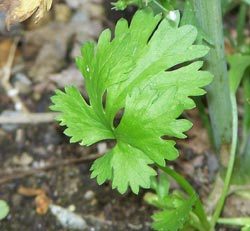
199	210
160	6
195	222
209	16
238	221
241	22
230	167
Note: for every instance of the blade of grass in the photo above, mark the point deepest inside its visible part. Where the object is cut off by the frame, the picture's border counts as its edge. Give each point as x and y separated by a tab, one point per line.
230	166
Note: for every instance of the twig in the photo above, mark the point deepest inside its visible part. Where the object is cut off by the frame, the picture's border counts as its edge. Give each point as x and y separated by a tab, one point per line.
96	219
6	72
21	174
28	118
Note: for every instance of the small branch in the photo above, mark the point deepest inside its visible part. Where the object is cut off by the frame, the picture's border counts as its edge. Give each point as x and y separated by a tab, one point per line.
5	80
241	23
160	6
28	118
21	174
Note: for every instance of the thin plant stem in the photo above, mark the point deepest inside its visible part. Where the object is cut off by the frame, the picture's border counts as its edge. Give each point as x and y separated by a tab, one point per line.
196	222
230	167
241	22
199	210
237	221
160	5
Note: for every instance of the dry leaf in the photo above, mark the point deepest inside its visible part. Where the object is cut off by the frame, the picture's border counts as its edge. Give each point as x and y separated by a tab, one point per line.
20	10
42	204
30	192
42	201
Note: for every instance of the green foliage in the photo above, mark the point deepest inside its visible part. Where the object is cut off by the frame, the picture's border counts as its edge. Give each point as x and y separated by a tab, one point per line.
123	4
246	228
165	5
175	217
4	209
136	71
176	212
161	185
238	65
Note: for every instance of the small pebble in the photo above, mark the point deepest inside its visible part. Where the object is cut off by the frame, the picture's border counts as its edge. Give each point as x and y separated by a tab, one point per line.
102	147
68	219
89	195
24	160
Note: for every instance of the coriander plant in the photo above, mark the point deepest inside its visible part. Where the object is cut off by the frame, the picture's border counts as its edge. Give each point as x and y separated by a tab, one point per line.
148	73
134	69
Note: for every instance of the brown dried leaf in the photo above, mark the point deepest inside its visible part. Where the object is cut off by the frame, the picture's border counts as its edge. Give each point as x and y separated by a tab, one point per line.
42	204
42	201
30	192
20	10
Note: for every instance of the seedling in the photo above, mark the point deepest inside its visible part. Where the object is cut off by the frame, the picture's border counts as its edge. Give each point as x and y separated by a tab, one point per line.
147	73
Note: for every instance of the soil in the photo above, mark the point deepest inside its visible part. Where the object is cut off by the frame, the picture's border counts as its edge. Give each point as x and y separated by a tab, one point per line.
65	186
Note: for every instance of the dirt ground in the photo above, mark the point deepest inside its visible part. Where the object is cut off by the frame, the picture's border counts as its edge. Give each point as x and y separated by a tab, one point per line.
38	157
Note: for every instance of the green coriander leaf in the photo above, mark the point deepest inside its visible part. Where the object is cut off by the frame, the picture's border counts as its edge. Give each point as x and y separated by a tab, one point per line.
246	228
137	71
4	209
83	124
102	168
123	4
130	167
173	219
163	185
